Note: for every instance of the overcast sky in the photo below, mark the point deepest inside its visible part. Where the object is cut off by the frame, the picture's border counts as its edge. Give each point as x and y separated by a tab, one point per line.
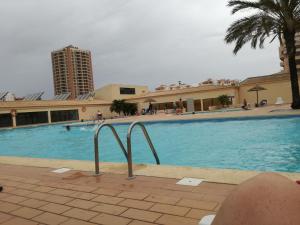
149	42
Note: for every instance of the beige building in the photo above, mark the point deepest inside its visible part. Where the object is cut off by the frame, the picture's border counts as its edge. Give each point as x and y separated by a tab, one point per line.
120	91
204	97
23	113
276	85
72	71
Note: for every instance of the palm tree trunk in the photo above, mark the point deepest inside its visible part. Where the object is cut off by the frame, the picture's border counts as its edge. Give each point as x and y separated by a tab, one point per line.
291	52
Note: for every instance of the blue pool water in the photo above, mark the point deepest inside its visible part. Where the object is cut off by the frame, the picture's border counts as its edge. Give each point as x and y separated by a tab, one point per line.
268	144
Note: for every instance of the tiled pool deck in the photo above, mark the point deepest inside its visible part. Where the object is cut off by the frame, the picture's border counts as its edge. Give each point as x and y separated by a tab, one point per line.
35	195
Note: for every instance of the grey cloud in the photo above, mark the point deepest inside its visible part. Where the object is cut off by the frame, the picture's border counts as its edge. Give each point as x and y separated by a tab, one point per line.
132	41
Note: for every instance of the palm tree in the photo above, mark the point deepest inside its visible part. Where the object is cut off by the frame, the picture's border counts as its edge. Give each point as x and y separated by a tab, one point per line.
121	106
271	18
117	106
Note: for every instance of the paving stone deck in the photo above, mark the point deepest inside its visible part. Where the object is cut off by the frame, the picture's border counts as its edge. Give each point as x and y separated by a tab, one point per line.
34	196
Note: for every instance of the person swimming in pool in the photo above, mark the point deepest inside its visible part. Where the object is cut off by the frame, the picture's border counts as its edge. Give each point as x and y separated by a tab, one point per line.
68	128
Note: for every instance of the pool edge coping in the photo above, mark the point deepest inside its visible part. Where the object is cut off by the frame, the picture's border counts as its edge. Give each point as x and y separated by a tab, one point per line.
228	176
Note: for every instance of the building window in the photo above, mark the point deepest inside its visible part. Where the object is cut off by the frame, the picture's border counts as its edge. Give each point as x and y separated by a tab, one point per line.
127	91
29	118
64	115
5	120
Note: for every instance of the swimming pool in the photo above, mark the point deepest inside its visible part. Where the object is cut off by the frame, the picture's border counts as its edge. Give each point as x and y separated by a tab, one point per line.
267	144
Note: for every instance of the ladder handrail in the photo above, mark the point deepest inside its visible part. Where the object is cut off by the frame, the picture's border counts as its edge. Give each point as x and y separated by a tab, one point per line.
129	152
96	144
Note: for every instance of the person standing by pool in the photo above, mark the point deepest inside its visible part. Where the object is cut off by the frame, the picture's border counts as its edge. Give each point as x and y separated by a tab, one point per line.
150	109
174	107
179	107
99	115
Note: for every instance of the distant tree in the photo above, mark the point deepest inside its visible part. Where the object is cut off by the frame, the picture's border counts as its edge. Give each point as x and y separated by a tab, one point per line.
117	106
224	100
129	109
120	106
271	18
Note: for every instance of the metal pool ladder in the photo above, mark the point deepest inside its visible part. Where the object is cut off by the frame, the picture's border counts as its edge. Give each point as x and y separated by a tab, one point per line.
96	144
128	153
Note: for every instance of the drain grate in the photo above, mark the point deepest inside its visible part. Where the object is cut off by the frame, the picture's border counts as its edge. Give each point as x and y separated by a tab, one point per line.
190	181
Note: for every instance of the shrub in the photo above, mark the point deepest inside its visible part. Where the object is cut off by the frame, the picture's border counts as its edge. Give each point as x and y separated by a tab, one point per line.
224	100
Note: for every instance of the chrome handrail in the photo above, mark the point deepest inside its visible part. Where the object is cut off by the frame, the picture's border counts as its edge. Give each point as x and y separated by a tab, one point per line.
96	144
129	153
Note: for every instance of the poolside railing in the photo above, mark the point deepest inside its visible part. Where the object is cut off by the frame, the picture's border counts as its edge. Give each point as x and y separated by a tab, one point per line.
128	153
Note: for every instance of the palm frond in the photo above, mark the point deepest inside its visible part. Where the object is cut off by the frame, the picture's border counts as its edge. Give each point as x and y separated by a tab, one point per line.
274	37
240	5
262	5
271	7
295	6
254	29
272	18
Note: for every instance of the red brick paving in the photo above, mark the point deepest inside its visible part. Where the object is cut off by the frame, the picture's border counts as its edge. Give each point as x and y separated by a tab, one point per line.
33	196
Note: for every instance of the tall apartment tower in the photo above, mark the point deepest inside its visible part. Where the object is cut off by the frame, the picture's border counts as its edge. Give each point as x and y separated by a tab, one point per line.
72	71
283	55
